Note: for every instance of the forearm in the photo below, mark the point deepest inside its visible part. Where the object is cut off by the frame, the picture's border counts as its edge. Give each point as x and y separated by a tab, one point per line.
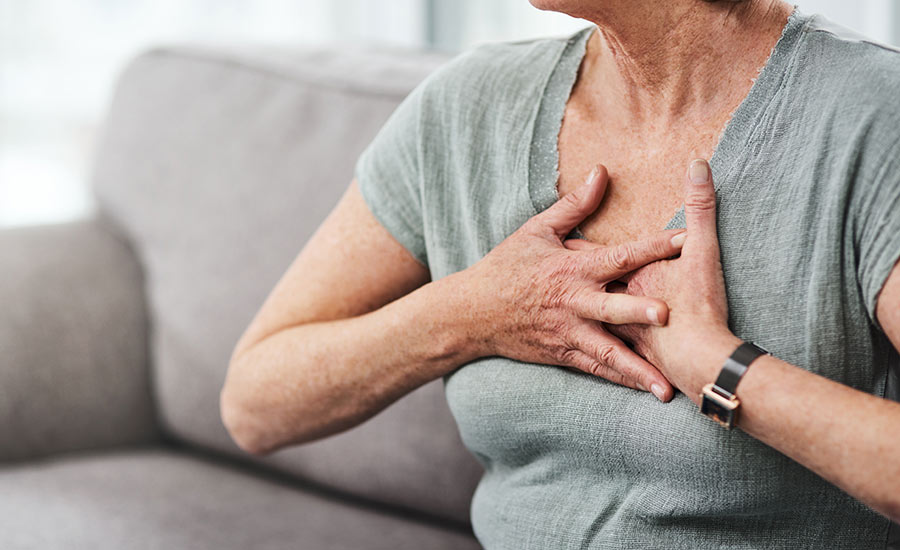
313	380
840	433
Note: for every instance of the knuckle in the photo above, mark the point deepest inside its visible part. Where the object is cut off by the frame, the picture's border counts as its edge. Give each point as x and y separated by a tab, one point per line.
700	201
572	200
607	355
599	369
566	355
660	245
620	257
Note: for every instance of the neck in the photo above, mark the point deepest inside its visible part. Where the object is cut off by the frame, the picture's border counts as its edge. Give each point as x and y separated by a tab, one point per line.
678	59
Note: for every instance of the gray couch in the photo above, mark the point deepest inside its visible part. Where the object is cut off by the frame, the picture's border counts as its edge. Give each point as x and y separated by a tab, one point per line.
215	166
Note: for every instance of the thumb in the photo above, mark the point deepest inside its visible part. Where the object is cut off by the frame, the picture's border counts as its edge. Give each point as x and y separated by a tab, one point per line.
700	210
566	213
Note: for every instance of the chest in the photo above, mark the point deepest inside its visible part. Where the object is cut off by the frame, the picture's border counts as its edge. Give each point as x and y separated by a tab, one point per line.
646	168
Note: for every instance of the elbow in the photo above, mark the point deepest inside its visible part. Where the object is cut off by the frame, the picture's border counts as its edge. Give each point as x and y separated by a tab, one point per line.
242	425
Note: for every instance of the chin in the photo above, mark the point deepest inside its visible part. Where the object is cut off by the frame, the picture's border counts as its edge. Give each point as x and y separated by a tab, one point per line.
569	7
549	5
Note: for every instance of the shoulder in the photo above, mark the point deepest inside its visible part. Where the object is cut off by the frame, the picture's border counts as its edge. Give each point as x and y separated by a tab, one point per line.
860	74
839	41
845	84
498	61
493	77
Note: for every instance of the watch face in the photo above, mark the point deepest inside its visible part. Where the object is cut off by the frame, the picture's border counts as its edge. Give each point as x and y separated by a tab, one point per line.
717	407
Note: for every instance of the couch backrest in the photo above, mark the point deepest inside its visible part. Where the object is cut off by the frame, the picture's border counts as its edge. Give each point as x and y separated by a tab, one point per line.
218	165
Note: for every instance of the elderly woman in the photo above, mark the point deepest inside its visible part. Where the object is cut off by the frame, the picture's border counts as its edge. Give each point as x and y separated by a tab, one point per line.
555	321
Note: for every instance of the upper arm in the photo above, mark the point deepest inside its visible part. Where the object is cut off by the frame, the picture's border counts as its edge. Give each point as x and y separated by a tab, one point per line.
888	306
371	249
352	265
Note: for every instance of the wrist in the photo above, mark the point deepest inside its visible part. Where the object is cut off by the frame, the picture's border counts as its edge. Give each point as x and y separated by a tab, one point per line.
708	353
431	329
461	319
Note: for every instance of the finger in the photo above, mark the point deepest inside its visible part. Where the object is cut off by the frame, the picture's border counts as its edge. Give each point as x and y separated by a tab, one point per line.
700	210
585	363
581	245
566	213
610	355
621	309
613	262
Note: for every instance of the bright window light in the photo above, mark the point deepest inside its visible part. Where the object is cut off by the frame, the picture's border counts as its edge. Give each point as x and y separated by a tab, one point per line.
59	59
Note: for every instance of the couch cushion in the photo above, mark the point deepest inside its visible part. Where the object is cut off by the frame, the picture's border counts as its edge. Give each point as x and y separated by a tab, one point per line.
73	342
218	165
164	499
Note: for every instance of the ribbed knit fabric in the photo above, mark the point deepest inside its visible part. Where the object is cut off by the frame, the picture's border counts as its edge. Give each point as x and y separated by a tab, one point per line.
808	181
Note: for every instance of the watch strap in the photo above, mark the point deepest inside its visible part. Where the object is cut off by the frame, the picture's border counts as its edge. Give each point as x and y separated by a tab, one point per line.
736	365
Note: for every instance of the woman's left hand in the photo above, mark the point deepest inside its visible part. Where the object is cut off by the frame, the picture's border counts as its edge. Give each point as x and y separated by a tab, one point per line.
694	288
838	427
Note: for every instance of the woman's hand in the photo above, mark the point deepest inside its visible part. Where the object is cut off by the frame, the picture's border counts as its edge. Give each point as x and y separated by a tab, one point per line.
838	427
693	286
537	301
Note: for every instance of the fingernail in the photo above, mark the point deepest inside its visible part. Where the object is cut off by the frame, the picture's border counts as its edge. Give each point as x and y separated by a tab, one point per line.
653	315
699	171
657	391
591	177
678	240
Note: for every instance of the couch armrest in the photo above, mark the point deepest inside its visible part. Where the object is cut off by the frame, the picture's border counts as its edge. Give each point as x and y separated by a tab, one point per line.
73	342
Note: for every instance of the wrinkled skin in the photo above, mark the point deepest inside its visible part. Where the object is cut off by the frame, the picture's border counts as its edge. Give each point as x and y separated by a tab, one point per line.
693	287
549	304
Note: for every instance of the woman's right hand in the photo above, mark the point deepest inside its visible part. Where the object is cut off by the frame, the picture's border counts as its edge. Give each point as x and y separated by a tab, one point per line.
534	300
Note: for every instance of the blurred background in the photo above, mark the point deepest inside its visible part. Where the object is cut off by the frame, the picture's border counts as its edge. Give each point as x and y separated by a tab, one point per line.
59	60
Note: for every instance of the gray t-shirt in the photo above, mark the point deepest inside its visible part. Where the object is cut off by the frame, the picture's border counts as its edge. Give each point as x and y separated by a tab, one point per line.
808	179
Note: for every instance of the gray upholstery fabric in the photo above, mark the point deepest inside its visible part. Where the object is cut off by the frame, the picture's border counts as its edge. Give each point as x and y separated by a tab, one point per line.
219	166
166	500
72	342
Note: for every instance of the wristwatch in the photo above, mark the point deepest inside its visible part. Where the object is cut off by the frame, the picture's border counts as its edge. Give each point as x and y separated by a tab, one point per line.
718	400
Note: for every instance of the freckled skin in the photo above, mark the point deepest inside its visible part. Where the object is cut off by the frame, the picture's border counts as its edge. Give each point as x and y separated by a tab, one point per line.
323	353
610	118
356	323
642	193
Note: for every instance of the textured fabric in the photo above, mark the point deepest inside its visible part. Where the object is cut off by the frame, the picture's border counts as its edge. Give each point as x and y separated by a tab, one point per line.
144	499
808	180
218	166
72	342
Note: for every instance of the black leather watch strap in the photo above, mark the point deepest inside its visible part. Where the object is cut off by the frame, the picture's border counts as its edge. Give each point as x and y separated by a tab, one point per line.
736	366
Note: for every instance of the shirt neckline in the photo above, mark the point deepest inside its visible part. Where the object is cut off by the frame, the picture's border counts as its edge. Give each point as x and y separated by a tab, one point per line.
543	165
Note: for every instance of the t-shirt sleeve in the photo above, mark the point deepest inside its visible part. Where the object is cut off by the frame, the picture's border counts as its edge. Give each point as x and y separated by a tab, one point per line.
389	175
878	227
